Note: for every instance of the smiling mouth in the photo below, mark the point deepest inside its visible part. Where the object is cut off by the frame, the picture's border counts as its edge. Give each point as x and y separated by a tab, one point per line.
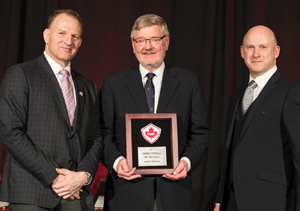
66	49
148	54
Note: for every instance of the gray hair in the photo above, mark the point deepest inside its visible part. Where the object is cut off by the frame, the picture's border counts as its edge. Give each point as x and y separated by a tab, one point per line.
149	20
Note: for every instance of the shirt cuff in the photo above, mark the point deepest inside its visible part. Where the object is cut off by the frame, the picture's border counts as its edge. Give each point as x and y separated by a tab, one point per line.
116	163
188	162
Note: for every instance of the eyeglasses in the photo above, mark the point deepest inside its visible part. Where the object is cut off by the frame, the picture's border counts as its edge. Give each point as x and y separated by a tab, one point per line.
153	40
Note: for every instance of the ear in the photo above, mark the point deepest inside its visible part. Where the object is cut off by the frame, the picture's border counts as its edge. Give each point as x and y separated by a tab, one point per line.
133	46
277	51
46	35
80	42
167	42
242	51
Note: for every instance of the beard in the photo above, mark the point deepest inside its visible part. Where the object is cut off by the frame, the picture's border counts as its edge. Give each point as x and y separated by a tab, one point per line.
151	65
154	64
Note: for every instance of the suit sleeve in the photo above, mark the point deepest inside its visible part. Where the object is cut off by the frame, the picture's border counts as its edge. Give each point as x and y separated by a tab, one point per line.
14	94
198	132
90	161
291	119
111	151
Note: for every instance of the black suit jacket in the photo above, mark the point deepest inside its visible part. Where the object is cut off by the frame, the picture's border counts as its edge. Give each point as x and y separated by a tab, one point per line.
266	157
36	132
123	93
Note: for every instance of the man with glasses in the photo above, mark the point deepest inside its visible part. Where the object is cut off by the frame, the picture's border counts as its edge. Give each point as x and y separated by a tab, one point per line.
152	87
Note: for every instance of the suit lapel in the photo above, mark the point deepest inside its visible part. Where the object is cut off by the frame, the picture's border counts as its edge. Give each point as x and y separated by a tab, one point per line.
80	98
232	113
269	87
135	87
54	85
169	85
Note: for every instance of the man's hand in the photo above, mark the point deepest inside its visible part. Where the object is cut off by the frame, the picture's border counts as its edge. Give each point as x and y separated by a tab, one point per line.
124	172
179	173
68	184
217	207
61	178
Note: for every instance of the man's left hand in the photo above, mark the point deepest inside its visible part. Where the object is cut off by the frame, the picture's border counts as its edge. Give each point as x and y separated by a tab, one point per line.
179	173
71	185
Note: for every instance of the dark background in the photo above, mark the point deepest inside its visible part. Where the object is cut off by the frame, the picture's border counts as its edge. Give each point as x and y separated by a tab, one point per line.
205	38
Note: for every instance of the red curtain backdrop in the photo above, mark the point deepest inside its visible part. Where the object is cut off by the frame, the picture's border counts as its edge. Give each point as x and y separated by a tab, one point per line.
205	38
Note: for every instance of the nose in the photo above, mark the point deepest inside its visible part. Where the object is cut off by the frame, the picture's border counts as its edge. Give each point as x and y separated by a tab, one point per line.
256	52
68	39
148	45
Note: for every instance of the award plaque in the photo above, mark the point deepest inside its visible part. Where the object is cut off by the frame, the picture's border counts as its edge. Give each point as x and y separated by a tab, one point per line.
152	143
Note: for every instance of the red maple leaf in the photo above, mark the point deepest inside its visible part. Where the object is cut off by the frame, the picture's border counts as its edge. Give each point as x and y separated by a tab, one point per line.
151	133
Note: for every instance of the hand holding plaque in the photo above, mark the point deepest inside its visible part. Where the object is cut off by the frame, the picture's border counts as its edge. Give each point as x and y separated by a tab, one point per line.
152	143
179	173
125	172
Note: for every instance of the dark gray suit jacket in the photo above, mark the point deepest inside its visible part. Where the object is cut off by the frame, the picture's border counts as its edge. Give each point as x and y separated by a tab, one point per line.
266	158
123	93
36	132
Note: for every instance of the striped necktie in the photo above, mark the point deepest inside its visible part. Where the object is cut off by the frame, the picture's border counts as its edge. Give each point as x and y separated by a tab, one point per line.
68	93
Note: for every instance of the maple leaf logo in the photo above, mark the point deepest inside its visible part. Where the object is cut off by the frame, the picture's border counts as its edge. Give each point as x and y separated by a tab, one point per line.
151	133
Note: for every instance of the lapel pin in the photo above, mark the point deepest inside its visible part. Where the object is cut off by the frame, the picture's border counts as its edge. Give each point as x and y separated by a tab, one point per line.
263	112
81	93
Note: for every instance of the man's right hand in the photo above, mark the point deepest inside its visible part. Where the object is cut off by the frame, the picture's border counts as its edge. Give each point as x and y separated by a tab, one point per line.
217	207
68	184
124	171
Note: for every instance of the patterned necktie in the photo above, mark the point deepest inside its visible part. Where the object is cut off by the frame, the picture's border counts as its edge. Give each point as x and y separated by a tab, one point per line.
149	91
248	96
68	93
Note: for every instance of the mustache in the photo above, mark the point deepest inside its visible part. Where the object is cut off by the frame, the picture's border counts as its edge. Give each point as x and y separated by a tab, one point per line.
148	51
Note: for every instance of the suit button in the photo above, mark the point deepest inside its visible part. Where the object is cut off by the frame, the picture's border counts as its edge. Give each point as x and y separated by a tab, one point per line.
71	161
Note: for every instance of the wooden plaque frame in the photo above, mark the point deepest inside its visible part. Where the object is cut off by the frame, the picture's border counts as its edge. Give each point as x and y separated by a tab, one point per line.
174	141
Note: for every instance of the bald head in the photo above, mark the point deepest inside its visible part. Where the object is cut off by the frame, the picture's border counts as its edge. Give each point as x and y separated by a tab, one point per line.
259	50
263	31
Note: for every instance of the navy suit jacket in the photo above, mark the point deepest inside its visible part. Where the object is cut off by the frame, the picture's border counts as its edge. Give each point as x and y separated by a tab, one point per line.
180	93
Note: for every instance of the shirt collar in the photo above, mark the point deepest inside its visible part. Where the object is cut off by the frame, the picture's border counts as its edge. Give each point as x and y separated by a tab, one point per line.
158	72
56	67
264	78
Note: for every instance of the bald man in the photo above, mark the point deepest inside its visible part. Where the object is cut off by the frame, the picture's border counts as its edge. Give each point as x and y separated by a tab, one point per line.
261	163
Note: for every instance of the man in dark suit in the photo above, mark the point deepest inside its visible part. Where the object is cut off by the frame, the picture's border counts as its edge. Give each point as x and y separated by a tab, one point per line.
262	159
49	125
177	90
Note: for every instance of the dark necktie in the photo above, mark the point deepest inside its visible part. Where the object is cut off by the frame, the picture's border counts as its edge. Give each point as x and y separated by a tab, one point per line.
248	96
149	91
